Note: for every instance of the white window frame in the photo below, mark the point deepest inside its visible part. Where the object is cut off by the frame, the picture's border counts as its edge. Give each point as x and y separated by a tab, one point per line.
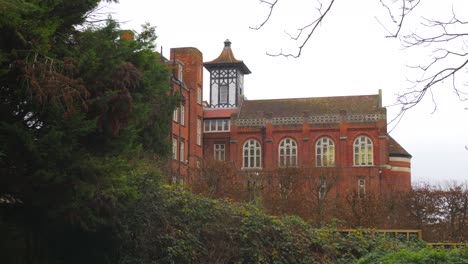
287	153
182	114
223	94
182	151
174	148
180	72
361	187
175	115
252	154
325	152
219	151
199	133
363	152
217	125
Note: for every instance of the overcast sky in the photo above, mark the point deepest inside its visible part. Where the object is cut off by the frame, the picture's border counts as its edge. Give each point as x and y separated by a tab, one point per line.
349	55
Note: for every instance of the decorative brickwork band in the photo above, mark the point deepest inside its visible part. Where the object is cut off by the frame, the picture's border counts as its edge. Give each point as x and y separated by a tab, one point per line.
250	122
319	119
287	120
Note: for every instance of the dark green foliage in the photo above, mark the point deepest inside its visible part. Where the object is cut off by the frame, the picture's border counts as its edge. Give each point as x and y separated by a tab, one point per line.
82	112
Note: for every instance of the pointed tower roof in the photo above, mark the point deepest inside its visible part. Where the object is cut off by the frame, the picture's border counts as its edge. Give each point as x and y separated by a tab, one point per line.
226	58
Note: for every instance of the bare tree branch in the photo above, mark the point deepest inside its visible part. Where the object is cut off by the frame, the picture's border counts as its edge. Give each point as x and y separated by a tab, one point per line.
405	10
448	62
272	6
311	27
397	11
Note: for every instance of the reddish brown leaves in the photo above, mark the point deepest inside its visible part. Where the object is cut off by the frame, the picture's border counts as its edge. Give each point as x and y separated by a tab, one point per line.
49	81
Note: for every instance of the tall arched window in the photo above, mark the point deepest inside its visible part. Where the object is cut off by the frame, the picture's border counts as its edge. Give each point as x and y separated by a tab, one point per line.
252	154
325	152
363	151
288	153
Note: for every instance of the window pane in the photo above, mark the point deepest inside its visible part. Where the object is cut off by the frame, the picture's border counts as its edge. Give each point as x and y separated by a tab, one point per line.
182	114
199	95
223	94
332	156
287	152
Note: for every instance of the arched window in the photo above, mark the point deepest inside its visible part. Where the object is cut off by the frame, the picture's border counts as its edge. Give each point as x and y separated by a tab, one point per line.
363	151
252	154
325	152
288	153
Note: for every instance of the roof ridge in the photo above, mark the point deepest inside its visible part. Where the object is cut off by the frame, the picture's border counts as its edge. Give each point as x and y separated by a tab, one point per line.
318	97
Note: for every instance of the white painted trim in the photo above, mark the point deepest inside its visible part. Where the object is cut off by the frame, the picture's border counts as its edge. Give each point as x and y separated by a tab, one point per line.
400	159
401	169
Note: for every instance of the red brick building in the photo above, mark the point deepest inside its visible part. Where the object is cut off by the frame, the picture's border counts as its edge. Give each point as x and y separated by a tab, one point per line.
344	137
187	121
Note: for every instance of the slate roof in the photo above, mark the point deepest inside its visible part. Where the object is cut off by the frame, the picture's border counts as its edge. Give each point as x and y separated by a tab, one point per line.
311	106
226	58
396	150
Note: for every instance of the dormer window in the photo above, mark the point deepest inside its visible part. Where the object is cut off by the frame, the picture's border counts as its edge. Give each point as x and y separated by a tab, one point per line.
217	125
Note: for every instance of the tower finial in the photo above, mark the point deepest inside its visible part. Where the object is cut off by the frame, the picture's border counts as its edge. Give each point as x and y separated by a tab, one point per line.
227	43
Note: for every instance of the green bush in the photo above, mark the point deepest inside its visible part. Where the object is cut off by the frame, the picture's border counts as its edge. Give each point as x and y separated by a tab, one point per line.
423	256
